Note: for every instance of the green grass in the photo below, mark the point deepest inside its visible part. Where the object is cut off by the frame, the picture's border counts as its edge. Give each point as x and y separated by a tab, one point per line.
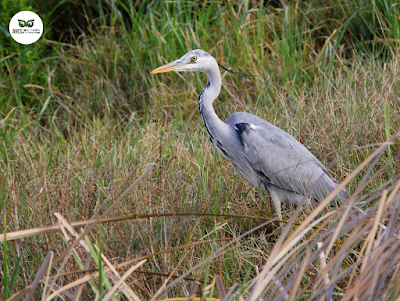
81	118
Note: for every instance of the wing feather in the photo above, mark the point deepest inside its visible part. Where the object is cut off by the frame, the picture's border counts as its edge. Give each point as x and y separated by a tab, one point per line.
280	158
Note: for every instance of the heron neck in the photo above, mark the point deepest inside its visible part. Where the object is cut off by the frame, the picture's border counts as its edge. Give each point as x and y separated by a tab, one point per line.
214	125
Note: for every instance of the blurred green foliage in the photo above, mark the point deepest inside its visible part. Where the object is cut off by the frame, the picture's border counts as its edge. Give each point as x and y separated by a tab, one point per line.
296	33
8	8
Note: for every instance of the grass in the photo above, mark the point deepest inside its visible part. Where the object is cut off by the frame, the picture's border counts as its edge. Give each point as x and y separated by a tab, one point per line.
80	124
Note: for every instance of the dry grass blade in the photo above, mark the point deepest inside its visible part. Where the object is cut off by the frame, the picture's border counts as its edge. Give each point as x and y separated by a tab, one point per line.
361	288
158	293
220	287
218	252
322	258
43	269
79	288
231	292
126	291
121	265
73	284
194	291
125	263
262	281
299	277
95	275
342	185
191	299
268	273
54	228
372	232
361	229
65	254
89	227
47	281
122	279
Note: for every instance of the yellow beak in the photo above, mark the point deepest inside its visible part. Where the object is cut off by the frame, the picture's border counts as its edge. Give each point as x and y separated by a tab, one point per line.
173	66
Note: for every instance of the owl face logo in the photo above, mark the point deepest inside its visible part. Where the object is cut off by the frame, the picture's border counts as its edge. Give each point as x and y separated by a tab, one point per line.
23	23
25	27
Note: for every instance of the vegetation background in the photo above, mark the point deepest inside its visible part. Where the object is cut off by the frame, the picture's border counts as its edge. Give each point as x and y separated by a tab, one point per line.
81	118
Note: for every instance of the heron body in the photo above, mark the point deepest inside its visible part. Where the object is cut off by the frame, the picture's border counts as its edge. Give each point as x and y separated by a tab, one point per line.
263	154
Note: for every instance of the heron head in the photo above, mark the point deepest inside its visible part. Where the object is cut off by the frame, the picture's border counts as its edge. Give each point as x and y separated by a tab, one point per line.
195	60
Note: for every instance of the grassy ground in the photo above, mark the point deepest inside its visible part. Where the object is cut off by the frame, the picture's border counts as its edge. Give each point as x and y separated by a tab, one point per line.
81	123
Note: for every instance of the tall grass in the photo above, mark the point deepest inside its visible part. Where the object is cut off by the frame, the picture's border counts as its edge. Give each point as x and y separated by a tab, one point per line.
84	118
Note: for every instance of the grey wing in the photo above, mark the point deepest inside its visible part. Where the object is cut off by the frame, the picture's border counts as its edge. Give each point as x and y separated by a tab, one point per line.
281	160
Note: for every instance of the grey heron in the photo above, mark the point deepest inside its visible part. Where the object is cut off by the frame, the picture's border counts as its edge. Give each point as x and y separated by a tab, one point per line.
263	154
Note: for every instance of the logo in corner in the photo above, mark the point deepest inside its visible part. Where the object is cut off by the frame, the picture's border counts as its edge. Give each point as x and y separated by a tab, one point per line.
26	27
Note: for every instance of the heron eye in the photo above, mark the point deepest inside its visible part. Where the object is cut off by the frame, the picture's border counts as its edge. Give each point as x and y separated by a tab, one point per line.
194	58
